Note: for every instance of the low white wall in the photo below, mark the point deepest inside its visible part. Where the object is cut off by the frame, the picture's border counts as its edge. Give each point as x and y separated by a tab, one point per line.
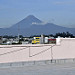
20	53
65	50
24	53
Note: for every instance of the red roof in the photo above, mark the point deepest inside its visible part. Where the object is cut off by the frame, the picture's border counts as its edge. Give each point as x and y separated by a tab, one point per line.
51	39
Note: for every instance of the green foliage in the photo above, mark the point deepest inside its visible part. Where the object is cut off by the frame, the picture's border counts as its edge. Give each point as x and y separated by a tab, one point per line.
64	34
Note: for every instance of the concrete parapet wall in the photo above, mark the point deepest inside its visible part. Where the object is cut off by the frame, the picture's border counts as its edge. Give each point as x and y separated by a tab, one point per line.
65	50
25	53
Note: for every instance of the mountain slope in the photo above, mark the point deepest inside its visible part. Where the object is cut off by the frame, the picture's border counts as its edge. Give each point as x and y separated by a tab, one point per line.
27	22
33	26
44	29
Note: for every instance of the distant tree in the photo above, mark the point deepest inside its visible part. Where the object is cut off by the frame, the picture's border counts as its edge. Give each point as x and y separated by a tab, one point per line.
64	34
5	36
51	35
20	36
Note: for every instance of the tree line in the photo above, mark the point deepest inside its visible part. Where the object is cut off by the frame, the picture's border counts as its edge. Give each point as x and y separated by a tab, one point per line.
61	34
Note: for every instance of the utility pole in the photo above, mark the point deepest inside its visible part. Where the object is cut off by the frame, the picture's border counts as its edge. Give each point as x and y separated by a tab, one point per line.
18	34
18	31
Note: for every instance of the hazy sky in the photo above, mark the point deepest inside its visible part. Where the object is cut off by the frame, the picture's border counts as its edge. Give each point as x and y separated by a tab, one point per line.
60	12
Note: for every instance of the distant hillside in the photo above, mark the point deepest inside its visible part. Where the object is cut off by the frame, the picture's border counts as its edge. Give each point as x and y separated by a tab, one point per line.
27	22
33	26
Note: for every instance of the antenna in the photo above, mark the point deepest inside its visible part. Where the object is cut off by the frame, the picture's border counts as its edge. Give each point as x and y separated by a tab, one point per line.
18	31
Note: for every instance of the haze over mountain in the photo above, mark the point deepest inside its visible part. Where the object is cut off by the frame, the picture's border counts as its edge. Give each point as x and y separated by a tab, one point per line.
33	26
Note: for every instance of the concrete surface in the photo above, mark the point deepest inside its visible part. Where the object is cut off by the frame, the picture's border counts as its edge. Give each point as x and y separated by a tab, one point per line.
51	69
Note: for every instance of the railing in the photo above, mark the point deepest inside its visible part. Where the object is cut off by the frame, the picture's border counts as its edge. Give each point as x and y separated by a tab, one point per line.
25	47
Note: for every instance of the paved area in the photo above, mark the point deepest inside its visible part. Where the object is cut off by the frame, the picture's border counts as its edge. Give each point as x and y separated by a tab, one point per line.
52	69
